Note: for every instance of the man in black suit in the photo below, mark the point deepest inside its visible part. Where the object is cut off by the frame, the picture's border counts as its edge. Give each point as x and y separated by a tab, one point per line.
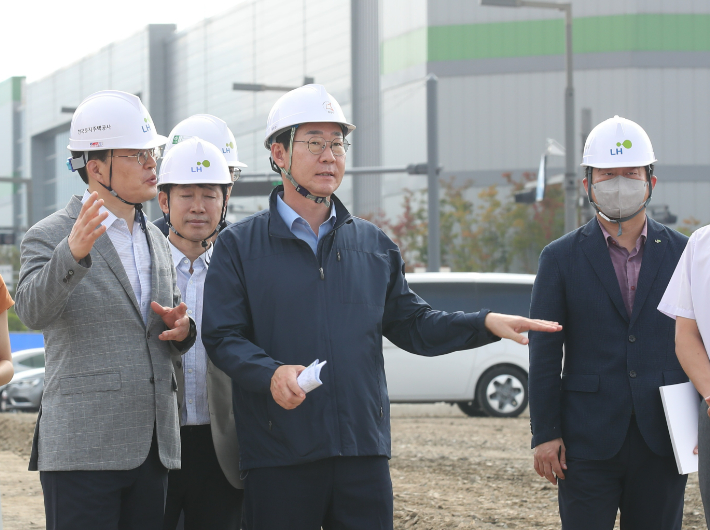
601	429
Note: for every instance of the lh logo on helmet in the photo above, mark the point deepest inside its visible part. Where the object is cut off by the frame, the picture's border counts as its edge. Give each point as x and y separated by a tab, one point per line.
146	127
200	165
228	148
619	145
328	107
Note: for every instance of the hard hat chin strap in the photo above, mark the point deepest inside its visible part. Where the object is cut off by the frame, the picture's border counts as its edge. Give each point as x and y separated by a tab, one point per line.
137	205
588	174
205	242
287	173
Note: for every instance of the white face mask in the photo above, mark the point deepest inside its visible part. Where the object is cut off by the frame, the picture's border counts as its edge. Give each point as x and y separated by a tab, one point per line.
620	197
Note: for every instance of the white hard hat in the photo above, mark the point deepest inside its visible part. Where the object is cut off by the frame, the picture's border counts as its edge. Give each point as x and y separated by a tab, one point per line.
306	104
111	119
618	142
194	161
211	129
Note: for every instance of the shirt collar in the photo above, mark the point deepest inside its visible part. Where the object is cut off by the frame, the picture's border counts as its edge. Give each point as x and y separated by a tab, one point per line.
608	236
178	256
111	217
290	216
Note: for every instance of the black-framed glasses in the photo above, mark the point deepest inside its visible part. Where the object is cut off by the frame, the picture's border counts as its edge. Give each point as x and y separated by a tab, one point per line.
317	145
235	172
144	155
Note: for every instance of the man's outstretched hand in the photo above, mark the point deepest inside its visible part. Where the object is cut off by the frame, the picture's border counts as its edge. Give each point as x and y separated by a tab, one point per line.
176	319
511	326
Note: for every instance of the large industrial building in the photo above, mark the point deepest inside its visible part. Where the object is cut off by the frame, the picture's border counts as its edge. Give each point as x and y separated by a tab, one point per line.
501	86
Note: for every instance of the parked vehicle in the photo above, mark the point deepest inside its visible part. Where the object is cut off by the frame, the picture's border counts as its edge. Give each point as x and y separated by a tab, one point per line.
24	392
491	380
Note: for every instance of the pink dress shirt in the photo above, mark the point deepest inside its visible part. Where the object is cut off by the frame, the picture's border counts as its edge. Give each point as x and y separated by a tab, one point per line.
627	265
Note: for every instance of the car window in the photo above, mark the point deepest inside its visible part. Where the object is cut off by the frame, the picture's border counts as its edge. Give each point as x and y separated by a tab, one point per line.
513	299
36	361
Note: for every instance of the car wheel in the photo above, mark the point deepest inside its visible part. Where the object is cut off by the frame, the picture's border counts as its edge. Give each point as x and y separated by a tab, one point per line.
471	408
502	391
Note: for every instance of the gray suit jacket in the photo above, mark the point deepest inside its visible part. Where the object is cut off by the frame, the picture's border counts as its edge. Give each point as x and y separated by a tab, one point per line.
108	377
224	432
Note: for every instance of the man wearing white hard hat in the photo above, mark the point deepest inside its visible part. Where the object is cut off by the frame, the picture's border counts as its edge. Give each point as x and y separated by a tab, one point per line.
598	426
194	185
213	130
100	282
303	283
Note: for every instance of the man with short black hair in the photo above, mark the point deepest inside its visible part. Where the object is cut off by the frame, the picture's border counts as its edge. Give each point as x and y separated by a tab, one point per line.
207	487
598	427
99	282
305	280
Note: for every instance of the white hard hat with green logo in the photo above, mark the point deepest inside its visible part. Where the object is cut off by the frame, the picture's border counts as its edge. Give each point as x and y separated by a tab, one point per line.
211	129
194	161
112	119
618	142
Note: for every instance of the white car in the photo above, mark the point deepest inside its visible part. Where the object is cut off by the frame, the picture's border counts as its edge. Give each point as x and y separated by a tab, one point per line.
491	380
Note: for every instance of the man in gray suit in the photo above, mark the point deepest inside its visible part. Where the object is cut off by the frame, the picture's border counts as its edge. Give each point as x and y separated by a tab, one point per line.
207	488
108	427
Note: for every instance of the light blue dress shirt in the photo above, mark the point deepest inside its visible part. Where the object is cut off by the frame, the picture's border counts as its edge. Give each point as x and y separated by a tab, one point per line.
132	249
195	407
299	226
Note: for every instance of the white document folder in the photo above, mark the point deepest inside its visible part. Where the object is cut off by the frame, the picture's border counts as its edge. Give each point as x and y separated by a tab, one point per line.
681	403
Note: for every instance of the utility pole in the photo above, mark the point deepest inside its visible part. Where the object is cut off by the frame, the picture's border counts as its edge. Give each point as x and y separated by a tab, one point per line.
432	149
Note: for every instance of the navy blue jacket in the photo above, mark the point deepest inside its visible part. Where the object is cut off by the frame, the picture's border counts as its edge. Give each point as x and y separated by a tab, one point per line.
269	300
614	362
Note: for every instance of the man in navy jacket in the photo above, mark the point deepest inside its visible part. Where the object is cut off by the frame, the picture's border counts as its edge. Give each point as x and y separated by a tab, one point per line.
305	280
600	428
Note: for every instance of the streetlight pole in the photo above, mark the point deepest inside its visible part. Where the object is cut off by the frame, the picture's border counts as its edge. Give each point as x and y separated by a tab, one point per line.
571	220
432	150
570	185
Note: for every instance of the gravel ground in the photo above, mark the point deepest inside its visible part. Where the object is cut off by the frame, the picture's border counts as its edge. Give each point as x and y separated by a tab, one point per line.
448	471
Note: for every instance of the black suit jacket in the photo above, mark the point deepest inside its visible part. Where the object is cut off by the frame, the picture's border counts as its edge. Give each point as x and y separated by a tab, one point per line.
614	362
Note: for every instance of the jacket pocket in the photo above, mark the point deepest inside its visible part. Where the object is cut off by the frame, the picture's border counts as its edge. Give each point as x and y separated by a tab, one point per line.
90	382
674	377
580	382
363	277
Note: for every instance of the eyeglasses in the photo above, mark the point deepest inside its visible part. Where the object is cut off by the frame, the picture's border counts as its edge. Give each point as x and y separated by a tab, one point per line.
235	172
143	156
317	145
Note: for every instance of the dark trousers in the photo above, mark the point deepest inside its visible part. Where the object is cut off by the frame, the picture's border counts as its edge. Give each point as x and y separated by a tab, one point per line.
199	488
107	500
341	493
704	458
644	487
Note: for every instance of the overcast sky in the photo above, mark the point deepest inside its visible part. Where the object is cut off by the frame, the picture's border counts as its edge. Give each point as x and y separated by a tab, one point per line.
41	36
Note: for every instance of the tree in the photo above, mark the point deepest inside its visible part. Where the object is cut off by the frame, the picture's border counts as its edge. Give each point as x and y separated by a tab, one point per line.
496	234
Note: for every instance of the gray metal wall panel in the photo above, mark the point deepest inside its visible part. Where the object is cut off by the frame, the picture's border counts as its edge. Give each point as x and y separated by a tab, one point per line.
402	16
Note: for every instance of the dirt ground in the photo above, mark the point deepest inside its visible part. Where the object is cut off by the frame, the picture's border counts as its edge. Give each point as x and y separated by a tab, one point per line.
448	472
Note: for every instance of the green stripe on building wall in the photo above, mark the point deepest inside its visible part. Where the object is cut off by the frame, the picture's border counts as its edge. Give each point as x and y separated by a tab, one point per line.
605	34
11	90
